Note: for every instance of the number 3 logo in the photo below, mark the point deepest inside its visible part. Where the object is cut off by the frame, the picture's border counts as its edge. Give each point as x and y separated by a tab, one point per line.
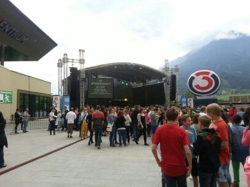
203	82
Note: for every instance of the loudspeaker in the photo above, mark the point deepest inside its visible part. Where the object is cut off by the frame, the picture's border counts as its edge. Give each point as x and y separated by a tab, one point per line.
173	87
73	83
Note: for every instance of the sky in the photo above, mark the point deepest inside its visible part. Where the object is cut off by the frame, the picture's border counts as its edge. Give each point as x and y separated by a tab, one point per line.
137	31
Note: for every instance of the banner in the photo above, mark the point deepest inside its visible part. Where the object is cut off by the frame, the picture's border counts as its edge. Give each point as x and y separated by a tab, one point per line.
5	97
65	102
190	102
57	102
183	100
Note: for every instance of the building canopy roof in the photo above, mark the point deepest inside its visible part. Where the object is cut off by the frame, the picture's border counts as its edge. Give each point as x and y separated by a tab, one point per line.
131	72
22	39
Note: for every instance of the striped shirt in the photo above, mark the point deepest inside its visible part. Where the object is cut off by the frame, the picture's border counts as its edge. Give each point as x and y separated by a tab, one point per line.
97	118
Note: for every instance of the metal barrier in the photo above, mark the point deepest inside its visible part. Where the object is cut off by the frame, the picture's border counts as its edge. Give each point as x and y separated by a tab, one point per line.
33	123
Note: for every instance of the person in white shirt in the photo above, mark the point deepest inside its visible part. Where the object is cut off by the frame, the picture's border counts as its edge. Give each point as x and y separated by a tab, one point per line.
70	117
52	120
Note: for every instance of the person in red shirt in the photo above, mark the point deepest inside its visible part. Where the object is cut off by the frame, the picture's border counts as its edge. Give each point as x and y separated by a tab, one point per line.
213	110
97	125
232	112
173	141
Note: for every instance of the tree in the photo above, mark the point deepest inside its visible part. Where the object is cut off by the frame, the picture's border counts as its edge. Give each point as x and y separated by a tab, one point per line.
189	94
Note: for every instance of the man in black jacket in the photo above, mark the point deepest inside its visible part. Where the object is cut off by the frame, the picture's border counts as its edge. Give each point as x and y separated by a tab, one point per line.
207	147
135	121
18	119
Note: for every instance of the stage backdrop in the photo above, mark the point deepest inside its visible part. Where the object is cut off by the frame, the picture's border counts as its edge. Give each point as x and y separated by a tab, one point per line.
149	95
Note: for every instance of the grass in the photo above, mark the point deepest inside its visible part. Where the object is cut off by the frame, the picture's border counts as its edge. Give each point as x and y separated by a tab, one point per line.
226	97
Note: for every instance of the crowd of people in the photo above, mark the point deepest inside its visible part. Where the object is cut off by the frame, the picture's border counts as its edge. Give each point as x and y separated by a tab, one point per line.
212	133
199	142
125	123
210	136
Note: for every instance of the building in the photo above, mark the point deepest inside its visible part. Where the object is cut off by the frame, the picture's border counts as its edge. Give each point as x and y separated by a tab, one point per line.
23	91
22	40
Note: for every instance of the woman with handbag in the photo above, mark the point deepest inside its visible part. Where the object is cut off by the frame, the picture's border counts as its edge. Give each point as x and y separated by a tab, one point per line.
142	127
3	140
112	134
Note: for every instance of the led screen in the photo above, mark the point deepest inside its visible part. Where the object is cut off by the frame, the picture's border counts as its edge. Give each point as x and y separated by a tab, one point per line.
100	88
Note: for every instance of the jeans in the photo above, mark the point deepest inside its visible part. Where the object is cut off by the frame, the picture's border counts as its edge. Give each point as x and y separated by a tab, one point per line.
207	179
163	182
1	155
135	131
179	181
112	136
59	125
122	136
131	129
98	135
115	135
25	124
64	125
52	127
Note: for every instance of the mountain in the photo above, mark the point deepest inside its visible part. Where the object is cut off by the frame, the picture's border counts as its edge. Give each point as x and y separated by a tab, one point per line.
228	55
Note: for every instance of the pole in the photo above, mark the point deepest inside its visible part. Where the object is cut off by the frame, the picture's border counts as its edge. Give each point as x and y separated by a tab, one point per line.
2	54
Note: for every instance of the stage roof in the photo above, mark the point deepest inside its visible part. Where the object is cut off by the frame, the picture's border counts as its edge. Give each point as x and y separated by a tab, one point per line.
131	72
24	40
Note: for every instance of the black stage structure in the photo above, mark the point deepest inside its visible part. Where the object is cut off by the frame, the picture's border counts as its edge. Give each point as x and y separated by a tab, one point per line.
118	84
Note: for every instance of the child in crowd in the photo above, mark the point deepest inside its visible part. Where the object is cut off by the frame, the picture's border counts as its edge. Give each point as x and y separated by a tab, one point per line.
207	147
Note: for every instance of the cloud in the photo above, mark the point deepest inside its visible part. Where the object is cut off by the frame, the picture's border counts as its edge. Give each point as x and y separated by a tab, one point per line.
228	35
139	31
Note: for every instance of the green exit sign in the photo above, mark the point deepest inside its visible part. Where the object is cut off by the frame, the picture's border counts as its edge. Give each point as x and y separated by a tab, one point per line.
5	97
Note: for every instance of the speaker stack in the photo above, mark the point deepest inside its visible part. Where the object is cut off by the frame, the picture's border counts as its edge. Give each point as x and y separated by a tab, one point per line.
173	87
73	83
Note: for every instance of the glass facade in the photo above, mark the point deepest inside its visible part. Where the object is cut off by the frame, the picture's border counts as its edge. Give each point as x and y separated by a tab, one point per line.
38	105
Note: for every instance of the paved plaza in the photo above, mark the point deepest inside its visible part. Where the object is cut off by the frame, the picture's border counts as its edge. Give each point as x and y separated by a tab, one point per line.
79	164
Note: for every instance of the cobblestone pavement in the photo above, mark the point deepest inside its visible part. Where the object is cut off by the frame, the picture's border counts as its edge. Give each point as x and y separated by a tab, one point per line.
79	164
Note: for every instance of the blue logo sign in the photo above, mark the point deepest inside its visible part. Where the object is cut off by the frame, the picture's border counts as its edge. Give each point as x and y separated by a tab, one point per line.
65	102
183	101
